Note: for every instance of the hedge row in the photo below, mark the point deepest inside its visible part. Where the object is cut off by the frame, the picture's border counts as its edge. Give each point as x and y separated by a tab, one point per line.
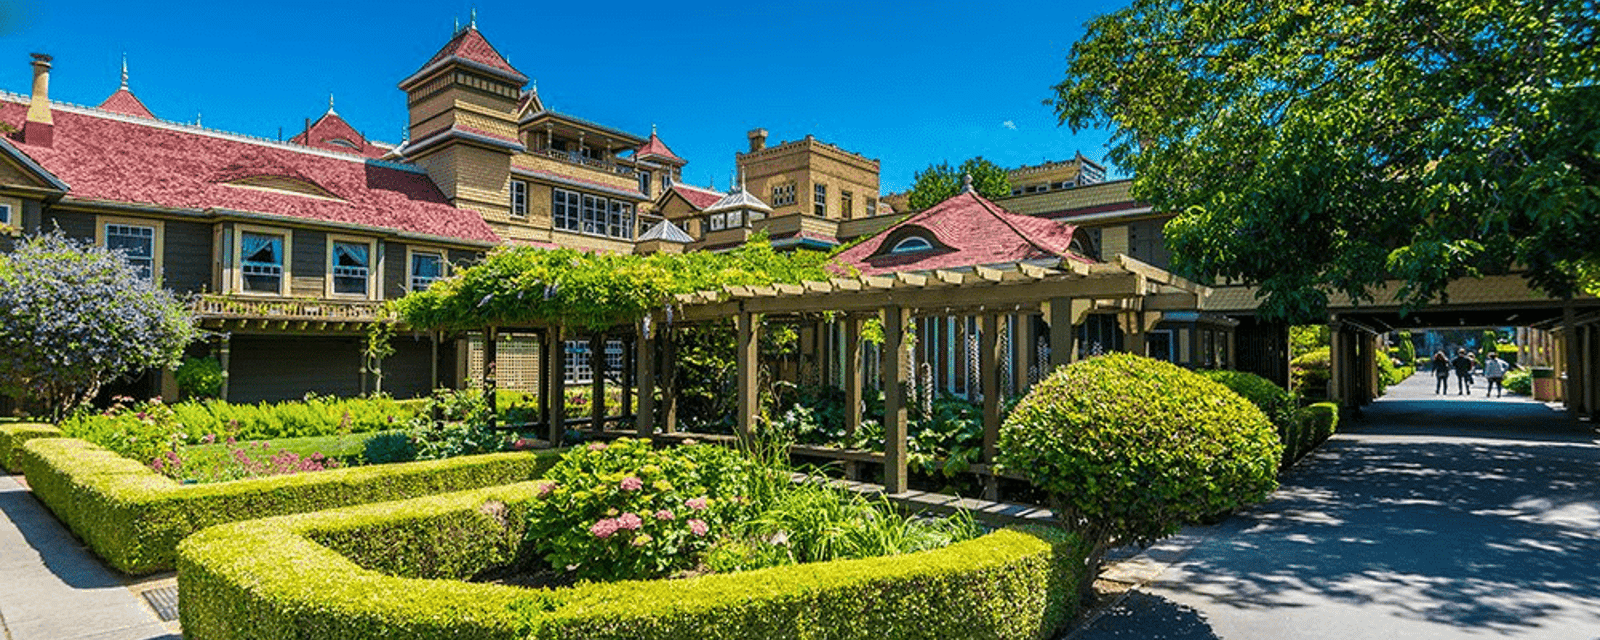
393	571
13	435
134	518
1311	426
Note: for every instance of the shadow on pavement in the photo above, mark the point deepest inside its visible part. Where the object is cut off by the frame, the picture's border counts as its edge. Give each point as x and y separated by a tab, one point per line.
62	554
1144	616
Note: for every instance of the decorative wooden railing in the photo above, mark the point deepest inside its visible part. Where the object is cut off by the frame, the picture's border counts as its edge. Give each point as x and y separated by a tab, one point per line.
245	308
574	157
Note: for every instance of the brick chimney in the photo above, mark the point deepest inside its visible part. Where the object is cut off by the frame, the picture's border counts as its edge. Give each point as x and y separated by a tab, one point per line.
39	129
758	140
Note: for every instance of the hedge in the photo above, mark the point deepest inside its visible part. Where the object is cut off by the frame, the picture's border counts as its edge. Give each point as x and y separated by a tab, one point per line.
1310	427
393	571
13	435
134	518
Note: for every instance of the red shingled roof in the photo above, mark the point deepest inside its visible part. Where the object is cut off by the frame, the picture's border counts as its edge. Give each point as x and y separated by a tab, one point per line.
471	45
330	128
700	198
966	230
105	158
655	147
125	103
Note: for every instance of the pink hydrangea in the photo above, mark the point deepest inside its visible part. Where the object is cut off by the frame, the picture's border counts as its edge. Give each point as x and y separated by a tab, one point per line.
699	527
597	446
546	488
664	515
632	483
698	504
604	528
630	521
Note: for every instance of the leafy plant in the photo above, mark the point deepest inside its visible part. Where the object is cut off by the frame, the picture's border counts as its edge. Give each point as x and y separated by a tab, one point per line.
244	460
199	378
453	423
1519	382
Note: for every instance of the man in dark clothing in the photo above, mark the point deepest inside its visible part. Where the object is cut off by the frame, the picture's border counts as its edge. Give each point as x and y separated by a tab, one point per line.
1441	373
1463	365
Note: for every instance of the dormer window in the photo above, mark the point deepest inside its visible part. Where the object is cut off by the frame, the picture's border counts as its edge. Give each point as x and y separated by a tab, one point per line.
912	244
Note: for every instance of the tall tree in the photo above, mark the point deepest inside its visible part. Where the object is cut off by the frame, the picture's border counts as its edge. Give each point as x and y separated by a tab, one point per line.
1417	140
939	182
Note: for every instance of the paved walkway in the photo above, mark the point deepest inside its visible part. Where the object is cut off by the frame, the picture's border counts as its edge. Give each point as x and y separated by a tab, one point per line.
51	588
1428	517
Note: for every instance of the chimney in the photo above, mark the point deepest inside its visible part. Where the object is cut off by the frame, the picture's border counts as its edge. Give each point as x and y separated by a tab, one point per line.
39	129
758	140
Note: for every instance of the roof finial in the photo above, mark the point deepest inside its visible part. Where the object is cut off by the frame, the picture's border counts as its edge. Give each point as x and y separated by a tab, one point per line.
197	121
652	128
330	104
457	28
124	70
474	23
966	183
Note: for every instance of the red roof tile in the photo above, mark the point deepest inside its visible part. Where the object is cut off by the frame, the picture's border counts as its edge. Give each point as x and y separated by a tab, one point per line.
698	197
655	147
471	45
107	158
331	132
125	103
966	230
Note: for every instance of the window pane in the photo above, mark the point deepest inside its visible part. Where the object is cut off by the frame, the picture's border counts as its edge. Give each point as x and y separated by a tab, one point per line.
519	198
137	244
350	261
261	261
425	268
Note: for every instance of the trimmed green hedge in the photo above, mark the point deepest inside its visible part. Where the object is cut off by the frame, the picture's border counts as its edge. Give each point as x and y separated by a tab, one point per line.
392	571
13	435
134	518
1310	427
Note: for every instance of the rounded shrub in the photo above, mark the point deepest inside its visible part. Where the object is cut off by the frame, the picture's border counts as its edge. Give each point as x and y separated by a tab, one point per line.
1128	448
1261	392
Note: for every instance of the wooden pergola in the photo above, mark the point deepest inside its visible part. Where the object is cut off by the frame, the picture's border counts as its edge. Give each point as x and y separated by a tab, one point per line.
1064	292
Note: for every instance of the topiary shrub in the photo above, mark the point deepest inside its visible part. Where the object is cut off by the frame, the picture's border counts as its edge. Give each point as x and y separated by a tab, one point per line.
1129	448
1261	392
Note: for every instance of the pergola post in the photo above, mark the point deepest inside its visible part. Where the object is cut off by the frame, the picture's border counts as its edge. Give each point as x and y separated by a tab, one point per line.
894	400
546	364
669	382
1023	345
1337	363
749	404
224	356
1586	375
625	376
852	374
490	353
433	362
989	381
597	381
1063	351
556	384
645	378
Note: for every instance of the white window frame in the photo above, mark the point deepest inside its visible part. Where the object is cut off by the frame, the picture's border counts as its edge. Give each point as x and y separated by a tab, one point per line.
519	198
716	222
284	277
374	267
819	200
412	253
566	210
645	182
735	219
593	220
157	244
911	244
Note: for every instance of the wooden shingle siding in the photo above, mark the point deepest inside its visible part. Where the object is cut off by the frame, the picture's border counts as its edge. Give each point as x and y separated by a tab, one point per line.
309	264
186	259
408	373
395	270
461	258
75	224
276	368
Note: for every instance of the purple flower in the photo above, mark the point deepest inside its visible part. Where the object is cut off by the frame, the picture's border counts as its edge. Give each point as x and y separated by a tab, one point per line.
604	528
664	515
698	504
699	527
630	521
631	483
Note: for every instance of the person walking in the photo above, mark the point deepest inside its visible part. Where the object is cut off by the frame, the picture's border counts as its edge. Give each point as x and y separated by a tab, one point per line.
1441	373
1494	370
1463	366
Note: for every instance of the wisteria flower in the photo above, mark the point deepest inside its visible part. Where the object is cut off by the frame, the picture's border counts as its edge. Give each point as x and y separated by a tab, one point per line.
631	483
630	521
698	504
664	515
604	528
699	527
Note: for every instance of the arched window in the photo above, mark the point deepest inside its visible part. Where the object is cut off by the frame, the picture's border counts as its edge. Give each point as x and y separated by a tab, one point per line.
911	244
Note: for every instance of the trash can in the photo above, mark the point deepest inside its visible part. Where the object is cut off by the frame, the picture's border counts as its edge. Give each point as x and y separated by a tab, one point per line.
1544	384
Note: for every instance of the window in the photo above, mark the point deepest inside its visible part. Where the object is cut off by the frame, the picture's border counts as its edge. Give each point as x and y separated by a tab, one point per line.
261	261
847	200
621	222
912	244
666	181
5	214
644	182
137	243
349	267
872	207
718	222
735	219
565	210
594	211
819	200
579	360
519	198
783	195
426	267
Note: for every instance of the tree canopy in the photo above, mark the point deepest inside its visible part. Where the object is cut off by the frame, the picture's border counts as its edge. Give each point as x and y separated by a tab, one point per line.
75	317
1416	140
939	182
529	286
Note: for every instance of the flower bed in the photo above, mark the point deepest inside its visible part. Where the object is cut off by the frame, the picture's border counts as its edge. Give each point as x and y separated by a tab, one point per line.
13	435
395	570
134	518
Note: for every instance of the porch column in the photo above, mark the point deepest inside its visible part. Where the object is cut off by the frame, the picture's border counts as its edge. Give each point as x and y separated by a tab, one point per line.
894	399
669	382
1573	394
645	378
556	383
852	374
1023	346
597	381
1336	363
1586	378
989	382
490	336
433	362
1062	349
225	356
749	404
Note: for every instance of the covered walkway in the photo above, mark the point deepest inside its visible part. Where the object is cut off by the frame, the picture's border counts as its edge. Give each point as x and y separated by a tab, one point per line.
1428	517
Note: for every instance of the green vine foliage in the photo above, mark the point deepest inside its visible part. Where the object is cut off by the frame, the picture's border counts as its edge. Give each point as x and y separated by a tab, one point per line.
528	286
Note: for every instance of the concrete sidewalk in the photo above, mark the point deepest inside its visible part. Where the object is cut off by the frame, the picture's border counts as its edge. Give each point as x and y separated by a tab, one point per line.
1427	517
51	588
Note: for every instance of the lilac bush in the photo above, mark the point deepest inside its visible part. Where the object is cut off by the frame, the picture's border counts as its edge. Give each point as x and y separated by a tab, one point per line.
74	317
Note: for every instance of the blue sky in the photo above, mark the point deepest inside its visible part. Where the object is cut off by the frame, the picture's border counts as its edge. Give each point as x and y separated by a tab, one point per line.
910	84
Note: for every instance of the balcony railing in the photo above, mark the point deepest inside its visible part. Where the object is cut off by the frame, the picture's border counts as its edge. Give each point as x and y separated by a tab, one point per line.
243	308
574	157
